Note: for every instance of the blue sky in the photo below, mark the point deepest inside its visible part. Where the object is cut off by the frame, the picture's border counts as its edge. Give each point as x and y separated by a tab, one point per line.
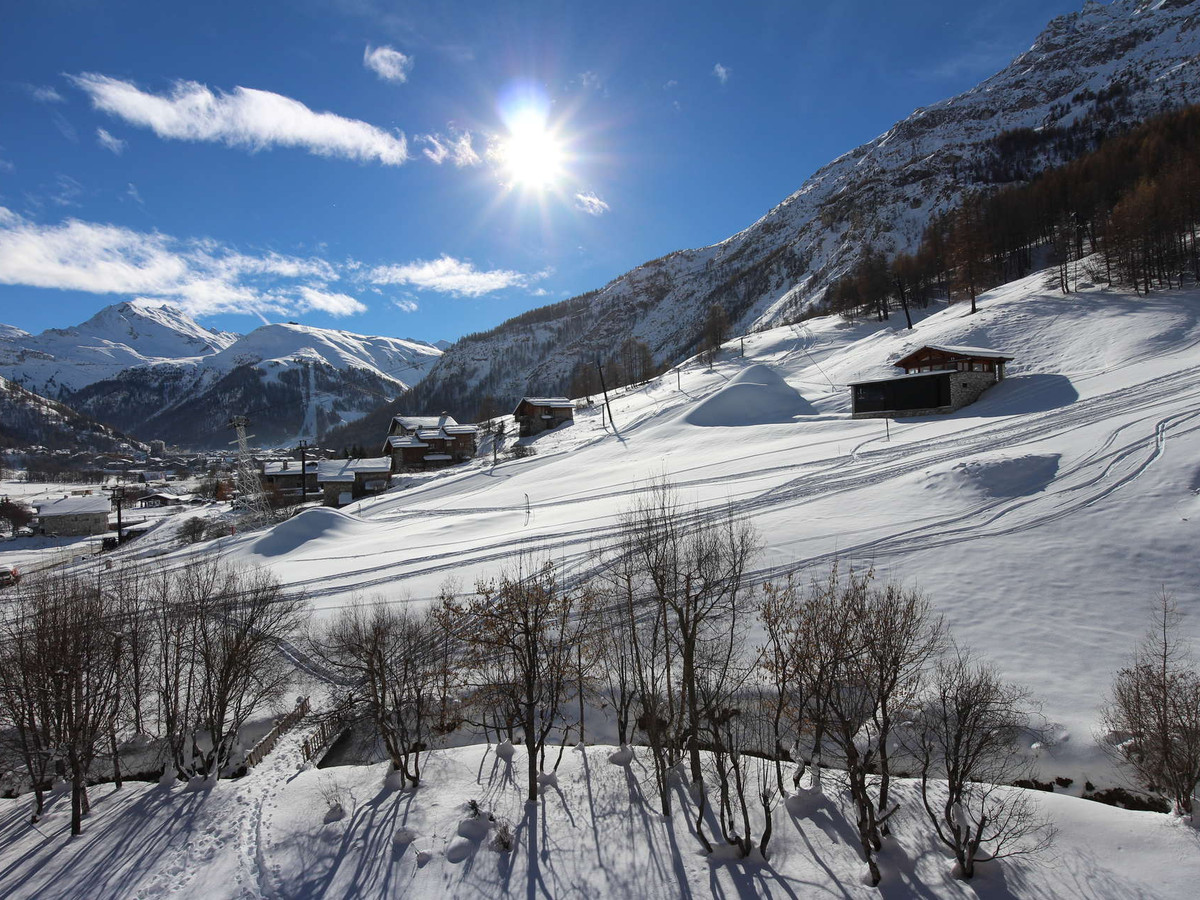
429	169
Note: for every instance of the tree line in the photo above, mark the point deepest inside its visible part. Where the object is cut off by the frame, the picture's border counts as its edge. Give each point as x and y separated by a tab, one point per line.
179	660
1134	202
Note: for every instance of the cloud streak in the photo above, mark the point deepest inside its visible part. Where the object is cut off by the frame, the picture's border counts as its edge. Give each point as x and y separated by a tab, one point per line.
202	277
244	118
387	63
108	142
448	275
722	73
458	147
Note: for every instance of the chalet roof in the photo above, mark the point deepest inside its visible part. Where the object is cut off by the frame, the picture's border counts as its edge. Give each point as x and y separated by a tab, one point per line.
433	434
73	506
412	423
956	350
936	373
460	429
553	402
288	467
404	440
340	471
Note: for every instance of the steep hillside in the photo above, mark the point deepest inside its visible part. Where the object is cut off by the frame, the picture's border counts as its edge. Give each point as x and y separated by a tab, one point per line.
27	419
1087	74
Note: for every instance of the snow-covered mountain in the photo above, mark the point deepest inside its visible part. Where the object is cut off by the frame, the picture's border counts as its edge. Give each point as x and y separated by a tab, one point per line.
63	360
1087	73
154	371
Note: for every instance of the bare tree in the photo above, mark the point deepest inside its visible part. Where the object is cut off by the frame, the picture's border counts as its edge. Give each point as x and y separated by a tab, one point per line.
966	742
218	634
525	630
1153	713
60	681
393	654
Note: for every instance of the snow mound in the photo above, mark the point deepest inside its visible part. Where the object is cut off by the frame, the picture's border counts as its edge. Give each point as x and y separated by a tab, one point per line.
321	523
756	396
997	476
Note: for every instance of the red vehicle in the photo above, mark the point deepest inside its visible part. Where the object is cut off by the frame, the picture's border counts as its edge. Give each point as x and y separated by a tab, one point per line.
9	575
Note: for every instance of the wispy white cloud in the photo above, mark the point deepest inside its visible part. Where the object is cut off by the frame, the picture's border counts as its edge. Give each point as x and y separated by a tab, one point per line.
44	94
671	85
108	142
458	147
591	81
590	204
132	193
389	64
722	73
244	117
335	304
406	305
201	276
448	275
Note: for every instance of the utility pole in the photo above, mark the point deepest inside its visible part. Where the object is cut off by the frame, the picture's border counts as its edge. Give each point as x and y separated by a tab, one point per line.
605	390
303	471
118	497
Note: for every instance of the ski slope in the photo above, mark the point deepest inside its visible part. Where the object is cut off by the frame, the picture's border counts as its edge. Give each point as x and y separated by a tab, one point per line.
1041	520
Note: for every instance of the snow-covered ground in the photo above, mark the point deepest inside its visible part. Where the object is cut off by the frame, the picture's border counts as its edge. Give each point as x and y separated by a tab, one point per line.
595	833
1040	520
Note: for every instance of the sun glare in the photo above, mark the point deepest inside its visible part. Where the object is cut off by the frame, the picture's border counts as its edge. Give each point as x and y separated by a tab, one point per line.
532	153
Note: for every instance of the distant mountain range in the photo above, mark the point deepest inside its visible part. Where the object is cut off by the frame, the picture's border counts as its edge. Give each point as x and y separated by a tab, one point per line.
1088	74
154	372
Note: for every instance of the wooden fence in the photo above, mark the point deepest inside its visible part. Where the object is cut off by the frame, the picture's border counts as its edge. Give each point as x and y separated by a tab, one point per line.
268	741
327	732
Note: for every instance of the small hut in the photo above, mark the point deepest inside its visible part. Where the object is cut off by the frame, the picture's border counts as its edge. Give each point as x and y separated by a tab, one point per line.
537	414
937	379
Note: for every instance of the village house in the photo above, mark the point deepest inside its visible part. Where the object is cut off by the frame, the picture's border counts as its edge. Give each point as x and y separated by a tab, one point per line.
285	476
74	516
937	379
425	442
346	480
537	414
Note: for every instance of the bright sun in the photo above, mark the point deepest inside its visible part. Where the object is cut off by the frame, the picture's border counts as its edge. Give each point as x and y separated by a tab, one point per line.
532	153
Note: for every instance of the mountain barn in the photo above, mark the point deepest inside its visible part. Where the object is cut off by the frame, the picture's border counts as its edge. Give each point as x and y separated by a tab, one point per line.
345	480
937	379
74	516
424	442
537	414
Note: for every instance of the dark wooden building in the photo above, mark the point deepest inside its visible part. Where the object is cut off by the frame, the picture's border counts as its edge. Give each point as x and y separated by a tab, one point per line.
426	442
937	379
537	414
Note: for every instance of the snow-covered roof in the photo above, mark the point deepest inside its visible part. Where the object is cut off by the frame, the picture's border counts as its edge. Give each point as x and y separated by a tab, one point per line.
287	467
936	373
433	434
404	440
552	402
460	429
412	423
73	506
958	350
344	470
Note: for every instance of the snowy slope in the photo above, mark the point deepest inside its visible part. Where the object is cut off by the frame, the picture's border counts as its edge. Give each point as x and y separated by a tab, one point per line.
1040	520
594	834
1105	65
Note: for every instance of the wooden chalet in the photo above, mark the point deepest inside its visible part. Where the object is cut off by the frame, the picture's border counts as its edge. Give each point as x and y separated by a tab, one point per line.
346	480
937	379
286	476
427	442
537	414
